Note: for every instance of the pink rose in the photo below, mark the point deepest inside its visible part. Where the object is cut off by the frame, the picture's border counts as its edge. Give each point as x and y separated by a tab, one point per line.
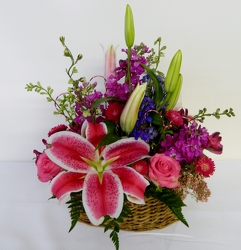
164	171
47	170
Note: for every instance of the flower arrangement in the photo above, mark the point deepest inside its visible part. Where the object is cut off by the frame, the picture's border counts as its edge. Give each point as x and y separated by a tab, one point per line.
128	143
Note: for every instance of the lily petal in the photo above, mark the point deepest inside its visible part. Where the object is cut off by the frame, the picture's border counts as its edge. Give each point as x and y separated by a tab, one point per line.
133	183
127	150
65	183
102	198
83	128
95	132
66	150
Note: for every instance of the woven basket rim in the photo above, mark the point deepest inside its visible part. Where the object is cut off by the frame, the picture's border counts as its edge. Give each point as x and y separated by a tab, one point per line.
154	214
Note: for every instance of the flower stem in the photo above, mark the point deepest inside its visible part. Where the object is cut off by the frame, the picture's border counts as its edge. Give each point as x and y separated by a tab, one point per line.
129	70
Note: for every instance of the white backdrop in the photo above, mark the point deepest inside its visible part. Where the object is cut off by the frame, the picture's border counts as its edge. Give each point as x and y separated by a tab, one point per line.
207	32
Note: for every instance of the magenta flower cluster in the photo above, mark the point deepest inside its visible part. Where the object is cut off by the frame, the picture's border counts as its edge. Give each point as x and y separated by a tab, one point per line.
85	102
118	87
186	144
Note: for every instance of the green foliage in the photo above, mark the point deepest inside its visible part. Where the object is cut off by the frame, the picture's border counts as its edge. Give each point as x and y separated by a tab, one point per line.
170	198
158	89
217	114
106	99
42	91
64	103
76	206
108	139
52	197
154	58
113	223
111	126
151	69
156	118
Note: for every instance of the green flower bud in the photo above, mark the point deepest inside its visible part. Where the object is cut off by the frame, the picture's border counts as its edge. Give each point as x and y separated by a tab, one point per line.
130	112
173	72
62	39
129	27
172	97
79	57
66	52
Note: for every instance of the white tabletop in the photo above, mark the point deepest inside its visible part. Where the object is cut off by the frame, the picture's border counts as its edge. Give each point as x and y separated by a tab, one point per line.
29	221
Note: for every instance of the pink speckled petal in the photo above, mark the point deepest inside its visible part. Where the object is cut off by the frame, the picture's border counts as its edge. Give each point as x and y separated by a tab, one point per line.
66	182
102	198
133	183
95	132
66	150
127	150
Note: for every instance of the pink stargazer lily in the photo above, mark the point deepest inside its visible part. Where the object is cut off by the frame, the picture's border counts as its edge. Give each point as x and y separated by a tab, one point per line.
102	174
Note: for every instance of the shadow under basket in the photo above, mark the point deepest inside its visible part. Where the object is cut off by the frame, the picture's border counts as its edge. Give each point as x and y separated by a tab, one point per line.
152	215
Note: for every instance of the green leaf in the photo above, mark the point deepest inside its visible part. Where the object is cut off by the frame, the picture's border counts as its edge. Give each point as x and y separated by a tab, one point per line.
114	224
52	197
106	99
108	139
159	92
110	126
115	239
108	225
178	213
171	199
76	206
156	119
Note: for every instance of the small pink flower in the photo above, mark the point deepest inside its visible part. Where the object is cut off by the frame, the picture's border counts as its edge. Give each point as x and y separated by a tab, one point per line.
113	112
205	166
214	143
164	171
174	117
47	170
141	167
56	129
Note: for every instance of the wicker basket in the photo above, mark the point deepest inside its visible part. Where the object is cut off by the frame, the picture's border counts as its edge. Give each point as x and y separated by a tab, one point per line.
152	215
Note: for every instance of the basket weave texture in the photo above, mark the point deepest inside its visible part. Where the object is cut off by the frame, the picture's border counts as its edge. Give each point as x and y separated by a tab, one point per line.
152	215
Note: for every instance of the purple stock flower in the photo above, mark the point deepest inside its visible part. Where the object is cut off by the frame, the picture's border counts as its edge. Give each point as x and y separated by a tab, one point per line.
85	102
114	86
91	98
187	144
